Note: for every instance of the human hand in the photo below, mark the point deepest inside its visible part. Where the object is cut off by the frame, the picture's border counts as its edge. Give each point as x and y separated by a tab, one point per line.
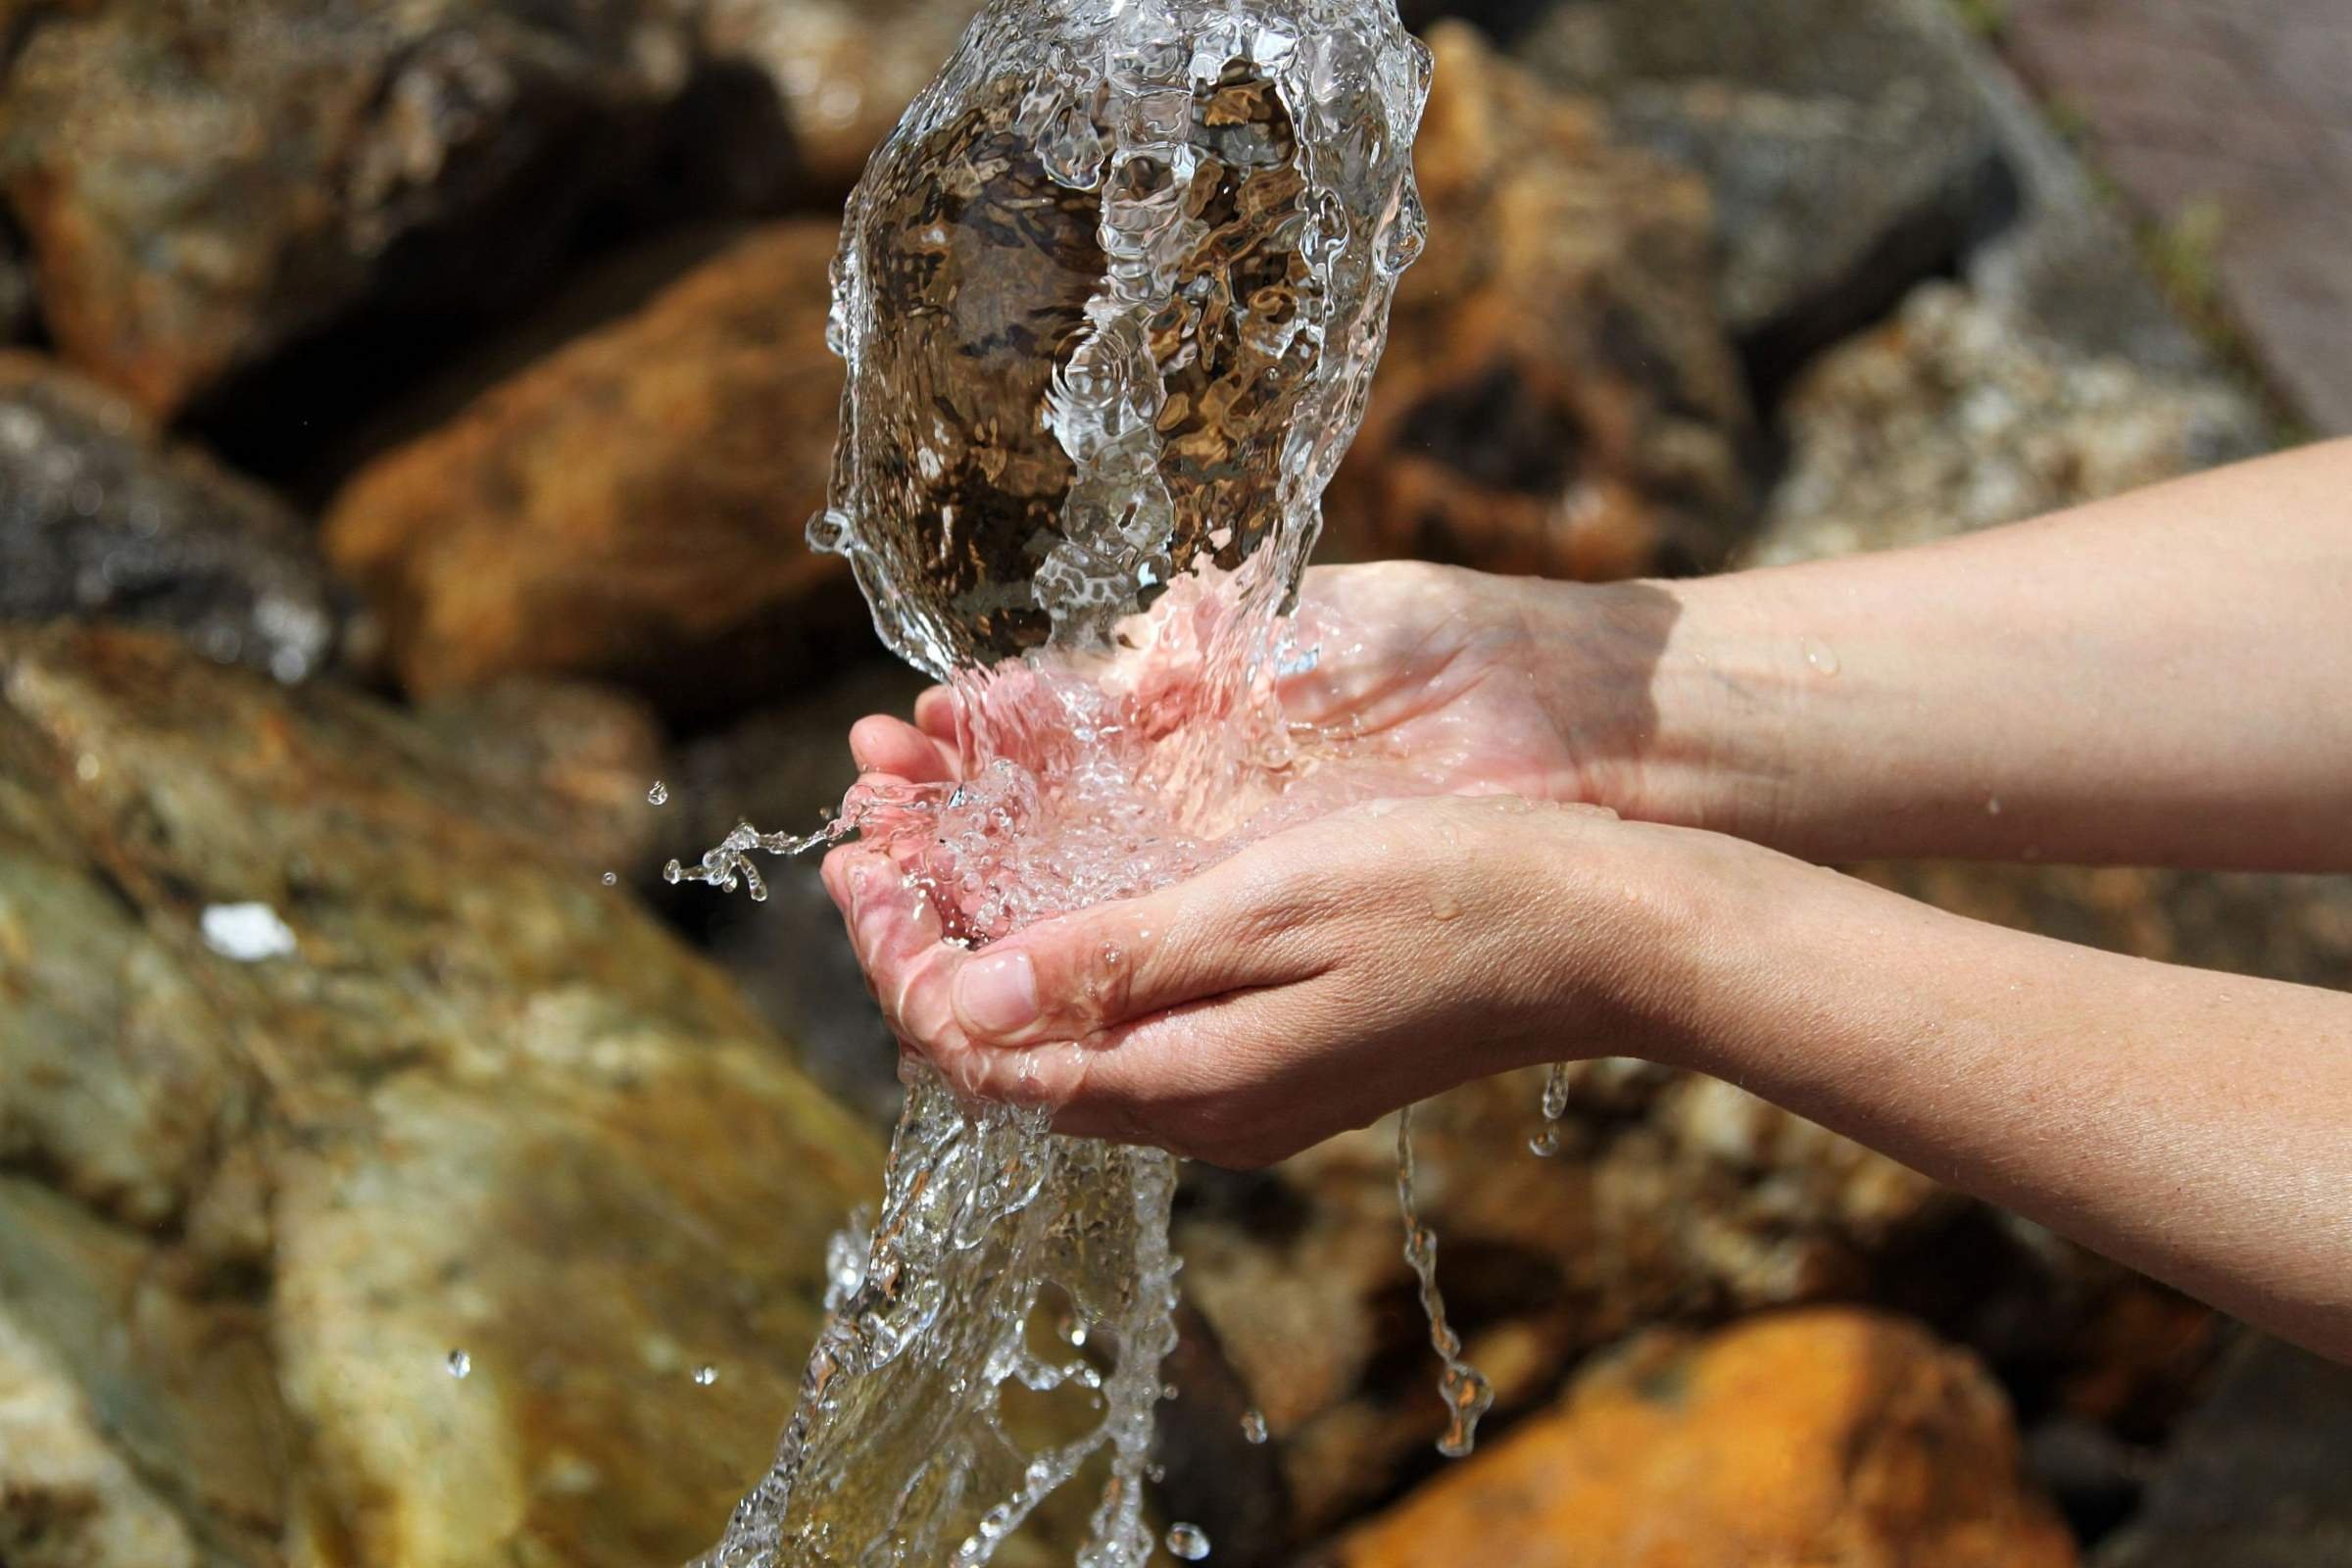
1464	682
1311	983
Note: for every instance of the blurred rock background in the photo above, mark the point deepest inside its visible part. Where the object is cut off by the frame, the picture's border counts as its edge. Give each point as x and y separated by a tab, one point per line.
408	418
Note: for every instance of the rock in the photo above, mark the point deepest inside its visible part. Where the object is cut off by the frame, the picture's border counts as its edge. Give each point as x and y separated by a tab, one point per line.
1673	1195
1823	1437
2255	1479
629	507
101	519
485	1104
845	70
1958	416
67	1498
1556	396
1844	141
203	185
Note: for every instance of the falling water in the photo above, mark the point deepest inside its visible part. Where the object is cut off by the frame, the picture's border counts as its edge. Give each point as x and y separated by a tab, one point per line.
1110	299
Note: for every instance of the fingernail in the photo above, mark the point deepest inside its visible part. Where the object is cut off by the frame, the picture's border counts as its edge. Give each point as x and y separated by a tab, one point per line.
996	993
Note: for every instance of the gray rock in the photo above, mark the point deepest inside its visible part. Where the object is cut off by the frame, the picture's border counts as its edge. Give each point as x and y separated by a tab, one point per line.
2255	1479
101	519
1847	151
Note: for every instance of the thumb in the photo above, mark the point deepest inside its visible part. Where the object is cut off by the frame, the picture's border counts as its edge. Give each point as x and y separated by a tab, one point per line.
1076	975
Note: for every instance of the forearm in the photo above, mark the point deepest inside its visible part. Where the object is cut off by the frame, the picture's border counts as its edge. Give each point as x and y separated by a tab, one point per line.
2194	1125
2161	678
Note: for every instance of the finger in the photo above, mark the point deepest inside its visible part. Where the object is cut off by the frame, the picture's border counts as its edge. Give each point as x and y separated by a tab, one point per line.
937	714
881	743
1234	927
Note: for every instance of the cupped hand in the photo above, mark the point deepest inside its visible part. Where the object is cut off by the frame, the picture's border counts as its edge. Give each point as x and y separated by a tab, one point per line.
1307	985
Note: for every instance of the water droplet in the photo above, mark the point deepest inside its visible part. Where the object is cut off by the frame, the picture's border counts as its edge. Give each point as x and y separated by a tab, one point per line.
1992	806
87	767
1188	1542
706	1374
1545	1144
1254	1426
461	1365
1821	656
612	878
659	794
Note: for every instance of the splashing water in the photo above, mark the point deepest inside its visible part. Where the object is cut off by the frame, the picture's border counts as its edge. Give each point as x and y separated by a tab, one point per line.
1111	297
1466	1394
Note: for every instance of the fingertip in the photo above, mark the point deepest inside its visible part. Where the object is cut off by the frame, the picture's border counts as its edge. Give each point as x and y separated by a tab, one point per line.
936	713
881	743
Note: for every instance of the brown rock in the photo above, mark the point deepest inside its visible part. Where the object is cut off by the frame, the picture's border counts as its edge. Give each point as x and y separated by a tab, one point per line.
845	70
317	1062
101	519
204	184
1559	395
631	506
1826	1437
1672	1195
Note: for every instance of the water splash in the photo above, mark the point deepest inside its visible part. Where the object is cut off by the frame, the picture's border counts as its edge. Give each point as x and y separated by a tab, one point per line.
1466	1394
1110	299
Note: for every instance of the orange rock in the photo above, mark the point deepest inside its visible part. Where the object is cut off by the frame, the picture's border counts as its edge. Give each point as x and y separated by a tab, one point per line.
1823	1438
1558	394
631	506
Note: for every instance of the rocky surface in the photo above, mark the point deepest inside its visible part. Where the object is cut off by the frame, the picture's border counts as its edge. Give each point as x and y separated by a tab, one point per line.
1845	145
203	185
630	506
1826	1436
322	1064
1672	1196
1957	415
1556	396
2255	1478
844	69
101	517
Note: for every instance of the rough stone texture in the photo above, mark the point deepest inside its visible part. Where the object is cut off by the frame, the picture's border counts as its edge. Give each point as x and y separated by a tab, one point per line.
1846	148
2246	110
1826	1436
67	1498
1957	415
101	519
630	506
1556	396
1672	1196
486	1104
844	69
204	184
2255	1479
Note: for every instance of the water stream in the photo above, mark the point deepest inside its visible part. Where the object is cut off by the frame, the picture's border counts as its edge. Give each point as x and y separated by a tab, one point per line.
1110	298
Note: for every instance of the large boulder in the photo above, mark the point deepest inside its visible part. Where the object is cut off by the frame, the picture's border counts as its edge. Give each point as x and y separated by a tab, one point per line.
103	518
203	184
1826	1437
327	1078
1558	396
630	506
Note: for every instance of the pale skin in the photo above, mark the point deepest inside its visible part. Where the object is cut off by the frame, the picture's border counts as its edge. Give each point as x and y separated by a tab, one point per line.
1648	770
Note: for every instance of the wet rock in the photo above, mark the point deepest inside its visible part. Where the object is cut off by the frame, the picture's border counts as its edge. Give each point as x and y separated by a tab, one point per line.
2255	1479
101	519
1672	1196
1811	1437
1558	396
67	1498
1958	416
1844	140
630	506
483	1104
204	184
845	70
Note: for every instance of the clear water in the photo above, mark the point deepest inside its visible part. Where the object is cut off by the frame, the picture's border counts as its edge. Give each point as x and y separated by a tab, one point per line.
1110	298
